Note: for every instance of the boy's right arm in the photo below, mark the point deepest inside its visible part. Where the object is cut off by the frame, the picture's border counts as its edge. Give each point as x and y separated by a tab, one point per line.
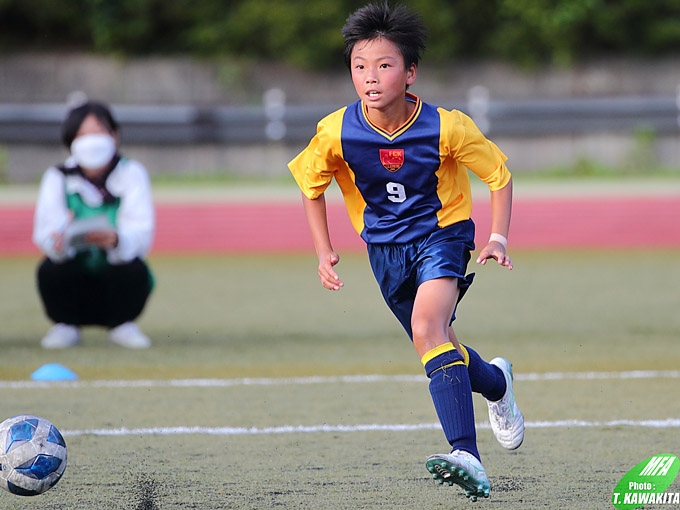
315	211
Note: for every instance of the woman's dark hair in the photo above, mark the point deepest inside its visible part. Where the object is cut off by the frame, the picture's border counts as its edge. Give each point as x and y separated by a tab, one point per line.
76	116
398	24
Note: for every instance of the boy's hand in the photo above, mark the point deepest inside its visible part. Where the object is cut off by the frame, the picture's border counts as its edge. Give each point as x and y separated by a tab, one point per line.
329	278
494	250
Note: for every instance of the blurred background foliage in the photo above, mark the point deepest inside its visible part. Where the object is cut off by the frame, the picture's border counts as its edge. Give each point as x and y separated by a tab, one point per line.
306	33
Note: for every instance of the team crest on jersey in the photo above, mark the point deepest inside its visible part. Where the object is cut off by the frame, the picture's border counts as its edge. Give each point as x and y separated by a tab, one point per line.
392	159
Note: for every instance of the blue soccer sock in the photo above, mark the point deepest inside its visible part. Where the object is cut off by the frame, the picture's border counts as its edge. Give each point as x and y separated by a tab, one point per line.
452	396
485	378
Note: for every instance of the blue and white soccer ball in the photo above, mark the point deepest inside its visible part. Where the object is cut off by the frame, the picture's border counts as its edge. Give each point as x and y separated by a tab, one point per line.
32	455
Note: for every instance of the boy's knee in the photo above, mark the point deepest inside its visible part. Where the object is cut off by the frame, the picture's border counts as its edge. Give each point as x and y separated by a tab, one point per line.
427	334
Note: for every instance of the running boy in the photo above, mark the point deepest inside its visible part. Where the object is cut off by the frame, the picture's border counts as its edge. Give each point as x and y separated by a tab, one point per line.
401	165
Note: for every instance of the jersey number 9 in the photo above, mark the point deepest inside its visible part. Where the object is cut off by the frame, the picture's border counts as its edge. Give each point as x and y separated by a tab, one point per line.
396	192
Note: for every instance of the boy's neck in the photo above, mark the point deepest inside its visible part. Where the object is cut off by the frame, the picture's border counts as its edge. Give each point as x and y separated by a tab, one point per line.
392	119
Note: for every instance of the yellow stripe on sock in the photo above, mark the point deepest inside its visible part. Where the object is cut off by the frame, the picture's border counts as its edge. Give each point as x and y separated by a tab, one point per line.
466	355
440	349
433	353
459	362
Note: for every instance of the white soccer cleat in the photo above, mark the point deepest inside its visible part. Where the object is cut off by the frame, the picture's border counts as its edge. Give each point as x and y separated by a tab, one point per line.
507	421
129	335
61	336
461	468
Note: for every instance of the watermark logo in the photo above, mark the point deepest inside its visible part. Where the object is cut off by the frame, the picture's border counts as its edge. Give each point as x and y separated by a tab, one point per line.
647	482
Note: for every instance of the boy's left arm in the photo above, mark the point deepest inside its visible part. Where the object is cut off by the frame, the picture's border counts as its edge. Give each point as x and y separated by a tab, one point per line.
501	210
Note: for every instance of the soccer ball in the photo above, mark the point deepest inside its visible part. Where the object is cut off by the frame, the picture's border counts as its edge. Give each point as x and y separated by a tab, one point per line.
32	455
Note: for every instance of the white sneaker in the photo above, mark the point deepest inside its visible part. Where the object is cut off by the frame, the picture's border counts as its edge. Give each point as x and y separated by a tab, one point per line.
461	468
507	421
61	336
129	335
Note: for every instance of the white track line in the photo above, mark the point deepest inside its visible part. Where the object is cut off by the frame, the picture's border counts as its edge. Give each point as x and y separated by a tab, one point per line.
312	429
193	383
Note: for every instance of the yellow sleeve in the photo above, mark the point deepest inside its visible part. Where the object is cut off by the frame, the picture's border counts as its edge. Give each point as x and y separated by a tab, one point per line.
471	148
314	168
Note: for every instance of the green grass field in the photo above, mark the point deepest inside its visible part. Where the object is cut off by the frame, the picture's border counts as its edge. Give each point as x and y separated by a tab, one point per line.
256	393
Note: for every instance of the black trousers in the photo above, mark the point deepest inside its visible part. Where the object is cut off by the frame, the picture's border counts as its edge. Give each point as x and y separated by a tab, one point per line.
110	296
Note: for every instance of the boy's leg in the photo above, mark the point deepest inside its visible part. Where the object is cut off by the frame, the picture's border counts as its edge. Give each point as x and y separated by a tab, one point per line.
420	283
494	380
444	365
485	378
452	398
449	387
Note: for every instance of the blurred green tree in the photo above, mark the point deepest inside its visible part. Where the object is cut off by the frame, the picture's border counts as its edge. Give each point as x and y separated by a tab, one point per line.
307	32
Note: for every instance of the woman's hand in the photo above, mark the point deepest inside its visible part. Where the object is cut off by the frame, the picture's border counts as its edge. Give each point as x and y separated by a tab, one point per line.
104	239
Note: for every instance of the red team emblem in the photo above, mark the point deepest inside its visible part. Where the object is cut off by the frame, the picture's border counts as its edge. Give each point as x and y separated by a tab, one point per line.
392	159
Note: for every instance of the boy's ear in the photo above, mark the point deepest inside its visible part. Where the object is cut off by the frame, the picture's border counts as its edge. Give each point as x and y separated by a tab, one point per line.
411	74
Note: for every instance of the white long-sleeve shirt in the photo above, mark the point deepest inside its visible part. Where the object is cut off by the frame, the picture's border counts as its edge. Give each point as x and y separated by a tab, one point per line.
135	218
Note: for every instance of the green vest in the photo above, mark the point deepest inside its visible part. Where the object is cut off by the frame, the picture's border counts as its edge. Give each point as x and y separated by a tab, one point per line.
91	258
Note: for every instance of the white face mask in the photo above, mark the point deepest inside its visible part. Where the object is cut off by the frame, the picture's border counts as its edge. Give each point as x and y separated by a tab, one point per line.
93	152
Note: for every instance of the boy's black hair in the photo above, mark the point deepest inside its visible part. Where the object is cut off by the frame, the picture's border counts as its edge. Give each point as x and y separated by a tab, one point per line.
76	116
397	24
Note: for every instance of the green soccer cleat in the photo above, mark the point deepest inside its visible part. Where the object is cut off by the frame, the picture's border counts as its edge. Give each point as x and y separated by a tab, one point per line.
507	421
461	468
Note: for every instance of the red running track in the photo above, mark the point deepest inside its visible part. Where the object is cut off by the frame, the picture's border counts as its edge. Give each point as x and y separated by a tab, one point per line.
251	227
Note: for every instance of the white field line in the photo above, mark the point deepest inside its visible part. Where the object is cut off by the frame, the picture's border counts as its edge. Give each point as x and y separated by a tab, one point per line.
207	383
312	429
302	429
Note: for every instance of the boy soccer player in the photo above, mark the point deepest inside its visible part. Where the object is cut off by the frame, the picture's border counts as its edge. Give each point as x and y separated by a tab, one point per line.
401	165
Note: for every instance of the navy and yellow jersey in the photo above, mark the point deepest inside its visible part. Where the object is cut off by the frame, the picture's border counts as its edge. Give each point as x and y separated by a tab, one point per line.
404	185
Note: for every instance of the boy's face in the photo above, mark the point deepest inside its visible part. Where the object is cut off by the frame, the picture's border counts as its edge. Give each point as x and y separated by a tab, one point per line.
379	74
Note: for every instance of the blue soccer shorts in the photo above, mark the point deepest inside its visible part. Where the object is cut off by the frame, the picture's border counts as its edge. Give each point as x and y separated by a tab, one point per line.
400	268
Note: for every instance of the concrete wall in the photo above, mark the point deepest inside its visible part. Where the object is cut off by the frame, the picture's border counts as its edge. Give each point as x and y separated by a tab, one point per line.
39	78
